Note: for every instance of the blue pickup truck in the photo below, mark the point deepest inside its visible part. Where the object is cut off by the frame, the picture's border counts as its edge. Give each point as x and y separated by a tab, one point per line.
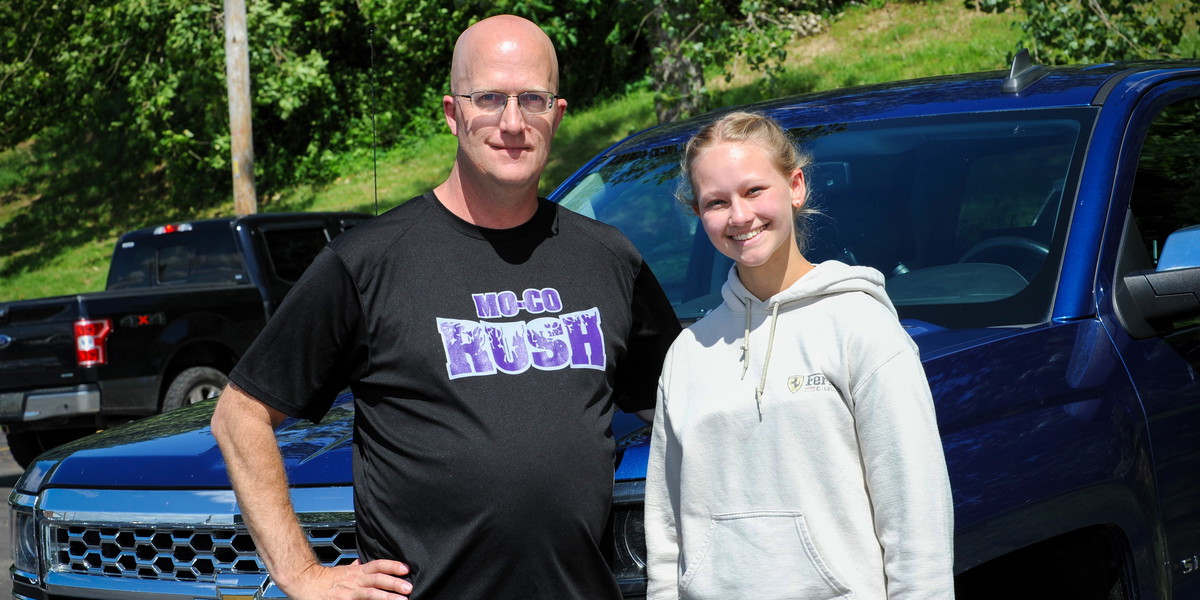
1036	230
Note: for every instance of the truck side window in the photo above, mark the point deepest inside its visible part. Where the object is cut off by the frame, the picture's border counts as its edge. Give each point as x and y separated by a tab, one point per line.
1166	191
292	250
131	266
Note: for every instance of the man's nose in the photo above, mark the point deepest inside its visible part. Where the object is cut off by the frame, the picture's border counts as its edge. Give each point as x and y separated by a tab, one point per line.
512	118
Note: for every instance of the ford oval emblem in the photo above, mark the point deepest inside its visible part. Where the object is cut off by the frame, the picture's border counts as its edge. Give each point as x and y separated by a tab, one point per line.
5	341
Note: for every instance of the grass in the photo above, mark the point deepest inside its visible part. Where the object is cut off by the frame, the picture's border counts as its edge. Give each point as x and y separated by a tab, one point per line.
402	174
896	41
586	133
45	251
908	40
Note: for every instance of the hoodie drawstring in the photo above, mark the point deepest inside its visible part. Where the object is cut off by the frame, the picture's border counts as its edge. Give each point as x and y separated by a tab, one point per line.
746	339
762	382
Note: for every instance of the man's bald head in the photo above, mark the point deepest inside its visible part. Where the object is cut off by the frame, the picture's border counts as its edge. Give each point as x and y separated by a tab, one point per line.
501	39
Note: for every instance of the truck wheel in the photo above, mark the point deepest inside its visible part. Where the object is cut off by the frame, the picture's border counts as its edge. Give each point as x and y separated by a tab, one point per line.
193	385
27	445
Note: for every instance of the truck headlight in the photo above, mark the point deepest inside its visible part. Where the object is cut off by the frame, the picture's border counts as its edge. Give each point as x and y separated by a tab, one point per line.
24	538
629	541
628	534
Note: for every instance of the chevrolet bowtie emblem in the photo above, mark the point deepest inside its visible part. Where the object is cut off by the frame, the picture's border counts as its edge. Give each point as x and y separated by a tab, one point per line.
237	592
242	594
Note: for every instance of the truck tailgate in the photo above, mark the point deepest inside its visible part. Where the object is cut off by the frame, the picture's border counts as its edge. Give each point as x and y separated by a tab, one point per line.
37	344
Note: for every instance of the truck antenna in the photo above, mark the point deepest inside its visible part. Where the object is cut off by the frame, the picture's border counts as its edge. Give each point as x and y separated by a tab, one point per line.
374	141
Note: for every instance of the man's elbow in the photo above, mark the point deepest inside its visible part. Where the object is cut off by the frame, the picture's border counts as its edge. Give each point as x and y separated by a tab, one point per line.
221	421
239	415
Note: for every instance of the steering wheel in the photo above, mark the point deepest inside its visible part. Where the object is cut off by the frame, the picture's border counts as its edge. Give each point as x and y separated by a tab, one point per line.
1024	255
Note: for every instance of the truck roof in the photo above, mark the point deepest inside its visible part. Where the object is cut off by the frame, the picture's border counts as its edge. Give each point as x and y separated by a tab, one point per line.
1041	87
254	220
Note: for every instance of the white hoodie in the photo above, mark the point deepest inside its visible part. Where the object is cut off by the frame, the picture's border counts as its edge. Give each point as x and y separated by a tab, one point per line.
795	452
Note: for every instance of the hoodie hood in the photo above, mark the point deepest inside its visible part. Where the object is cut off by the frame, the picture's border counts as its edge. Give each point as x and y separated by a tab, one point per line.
825	279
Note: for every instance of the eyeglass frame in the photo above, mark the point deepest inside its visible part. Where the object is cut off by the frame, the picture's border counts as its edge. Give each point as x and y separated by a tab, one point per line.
550	101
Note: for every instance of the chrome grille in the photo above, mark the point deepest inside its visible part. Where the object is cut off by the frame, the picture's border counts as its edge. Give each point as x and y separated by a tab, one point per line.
180	553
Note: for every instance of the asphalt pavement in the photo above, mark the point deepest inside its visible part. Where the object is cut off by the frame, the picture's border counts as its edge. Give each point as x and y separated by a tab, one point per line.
9	472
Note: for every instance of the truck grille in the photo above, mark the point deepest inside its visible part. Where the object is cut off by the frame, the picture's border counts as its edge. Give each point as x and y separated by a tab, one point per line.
186	554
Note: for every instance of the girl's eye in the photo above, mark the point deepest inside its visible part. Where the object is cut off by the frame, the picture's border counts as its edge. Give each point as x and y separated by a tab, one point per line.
754	191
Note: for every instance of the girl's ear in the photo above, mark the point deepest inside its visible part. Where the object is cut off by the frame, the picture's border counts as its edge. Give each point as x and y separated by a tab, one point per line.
799	188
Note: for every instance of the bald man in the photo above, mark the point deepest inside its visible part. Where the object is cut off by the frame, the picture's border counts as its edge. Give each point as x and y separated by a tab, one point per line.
487	335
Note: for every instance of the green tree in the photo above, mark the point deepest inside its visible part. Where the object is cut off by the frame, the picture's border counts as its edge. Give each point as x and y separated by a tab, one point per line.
129	95
598	50
692	36
138	86
1085	31
121	100
146	77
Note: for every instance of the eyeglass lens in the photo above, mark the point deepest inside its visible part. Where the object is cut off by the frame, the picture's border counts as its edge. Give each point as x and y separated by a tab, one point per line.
530	102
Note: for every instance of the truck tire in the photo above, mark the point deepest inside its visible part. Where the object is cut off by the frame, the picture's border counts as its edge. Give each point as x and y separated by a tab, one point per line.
28	445
193	385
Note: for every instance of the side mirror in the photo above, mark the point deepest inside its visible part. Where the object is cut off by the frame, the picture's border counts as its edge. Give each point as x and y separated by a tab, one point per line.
1181	250
1171	292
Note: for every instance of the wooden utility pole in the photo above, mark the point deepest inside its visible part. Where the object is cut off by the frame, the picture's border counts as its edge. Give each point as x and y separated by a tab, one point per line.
237	78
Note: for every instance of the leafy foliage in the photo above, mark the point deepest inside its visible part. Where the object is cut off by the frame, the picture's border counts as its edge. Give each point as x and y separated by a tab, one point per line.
1169	170
1077	31
65	198
992	6
327	76
691	36
124	100
136	72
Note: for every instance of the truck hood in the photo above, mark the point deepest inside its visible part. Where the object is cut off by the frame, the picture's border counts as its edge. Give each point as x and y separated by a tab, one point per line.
177	450
936	342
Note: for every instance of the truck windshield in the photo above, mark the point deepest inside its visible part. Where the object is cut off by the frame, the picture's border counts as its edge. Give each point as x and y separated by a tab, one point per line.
964	214
203	255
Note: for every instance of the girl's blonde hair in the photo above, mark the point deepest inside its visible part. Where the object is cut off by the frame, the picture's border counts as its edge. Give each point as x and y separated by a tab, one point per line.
754	128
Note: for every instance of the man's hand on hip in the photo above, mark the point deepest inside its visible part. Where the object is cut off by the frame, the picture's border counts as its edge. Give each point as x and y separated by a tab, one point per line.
378	579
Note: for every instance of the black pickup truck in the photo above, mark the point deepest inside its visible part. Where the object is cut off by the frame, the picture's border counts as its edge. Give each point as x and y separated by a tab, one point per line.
181	304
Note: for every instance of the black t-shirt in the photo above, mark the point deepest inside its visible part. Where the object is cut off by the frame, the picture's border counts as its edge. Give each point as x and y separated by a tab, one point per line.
485	365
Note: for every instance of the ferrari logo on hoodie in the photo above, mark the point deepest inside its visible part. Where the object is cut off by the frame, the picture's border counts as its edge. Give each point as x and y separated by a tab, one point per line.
809	383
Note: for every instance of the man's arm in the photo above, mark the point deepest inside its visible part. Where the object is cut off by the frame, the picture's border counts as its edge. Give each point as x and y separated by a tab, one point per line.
652	331
245	430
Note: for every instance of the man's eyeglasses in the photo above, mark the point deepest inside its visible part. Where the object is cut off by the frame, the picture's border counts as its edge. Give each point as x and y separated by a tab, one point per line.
531	103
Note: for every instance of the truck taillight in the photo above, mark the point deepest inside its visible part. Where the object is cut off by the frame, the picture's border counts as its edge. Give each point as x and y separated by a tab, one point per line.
91	341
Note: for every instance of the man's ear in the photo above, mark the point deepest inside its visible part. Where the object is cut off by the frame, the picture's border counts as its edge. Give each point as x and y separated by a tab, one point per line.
560	110
449	109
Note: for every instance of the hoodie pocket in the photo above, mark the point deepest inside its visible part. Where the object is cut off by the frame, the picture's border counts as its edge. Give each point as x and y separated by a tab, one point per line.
765	555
